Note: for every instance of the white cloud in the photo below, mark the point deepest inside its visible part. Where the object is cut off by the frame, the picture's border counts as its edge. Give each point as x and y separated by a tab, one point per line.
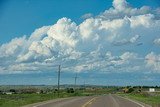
86	16
128	55
95	61
65	32
13	48
88	46
153	61
157	41
89	28
120	5
126	42
39	34
134	39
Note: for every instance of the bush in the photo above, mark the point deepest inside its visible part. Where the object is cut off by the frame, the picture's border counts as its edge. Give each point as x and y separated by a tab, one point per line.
12	90
70	90
130	90
1	92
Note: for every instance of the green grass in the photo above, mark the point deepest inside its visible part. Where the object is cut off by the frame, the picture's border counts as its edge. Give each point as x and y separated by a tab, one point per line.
17	100
151	99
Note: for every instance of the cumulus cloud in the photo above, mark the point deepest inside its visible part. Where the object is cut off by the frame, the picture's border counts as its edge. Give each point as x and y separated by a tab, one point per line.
13	48
88	15
88	46
126	42
97	61
157	41
153	61
40	33
120	5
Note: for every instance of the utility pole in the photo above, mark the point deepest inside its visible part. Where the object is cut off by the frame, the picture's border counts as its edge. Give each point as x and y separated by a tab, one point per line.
75	82
59	71
84	86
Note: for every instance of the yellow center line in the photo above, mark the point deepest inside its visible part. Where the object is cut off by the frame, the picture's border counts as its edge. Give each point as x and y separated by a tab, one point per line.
89	102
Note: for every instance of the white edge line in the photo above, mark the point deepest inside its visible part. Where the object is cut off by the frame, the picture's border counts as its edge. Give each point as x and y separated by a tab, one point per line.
132	101
46	102
51	101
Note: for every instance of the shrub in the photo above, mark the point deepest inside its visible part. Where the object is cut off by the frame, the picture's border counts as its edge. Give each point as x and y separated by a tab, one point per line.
130	90
70	90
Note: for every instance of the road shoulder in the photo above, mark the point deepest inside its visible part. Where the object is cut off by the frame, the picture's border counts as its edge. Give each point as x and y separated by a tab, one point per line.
48	101
134	101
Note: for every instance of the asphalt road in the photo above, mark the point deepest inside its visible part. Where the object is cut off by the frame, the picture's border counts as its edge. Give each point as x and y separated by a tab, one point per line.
94	101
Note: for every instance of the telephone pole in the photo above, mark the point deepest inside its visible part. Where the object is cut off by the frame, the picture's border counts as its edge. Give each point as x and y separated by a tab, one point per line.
59	71
84	86
75	82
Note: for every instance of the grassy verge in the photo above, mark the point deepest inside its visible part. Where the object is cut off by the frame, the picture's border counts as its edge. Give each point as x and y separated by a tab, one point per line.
151	99
17	100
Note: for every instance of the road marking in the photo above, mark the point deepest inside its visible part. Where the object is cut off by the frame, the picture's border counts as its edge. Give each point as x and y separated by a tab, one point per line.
46	102
115	102
89	102
132	101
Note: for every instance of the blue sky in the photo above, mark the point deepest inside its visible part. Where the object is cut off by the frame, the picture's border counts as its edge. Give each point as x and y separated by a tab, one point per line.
108	42
50	78
22	17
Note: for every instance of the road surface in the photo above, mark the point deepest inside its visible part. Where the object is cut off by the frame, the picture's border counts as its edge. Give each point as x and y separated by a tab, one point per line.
94	101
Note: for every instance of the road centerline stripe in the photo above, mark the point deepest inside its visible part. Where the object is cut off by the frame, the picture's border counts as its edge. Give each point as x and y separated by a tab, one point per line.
115	102
89	102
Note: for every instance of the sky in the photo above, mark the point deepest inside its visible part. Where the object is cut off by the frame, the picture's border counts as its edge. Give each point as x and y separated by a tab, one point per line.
107	42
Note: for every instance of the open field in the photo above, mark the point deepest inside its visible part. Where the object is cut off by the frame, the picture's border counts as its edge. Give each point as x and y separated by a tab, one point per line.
152	99
17	100
24	95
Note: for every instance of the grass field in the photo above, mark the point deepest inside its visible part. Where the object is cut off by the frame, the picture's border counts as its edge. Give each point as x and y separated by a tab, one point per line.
17	100
151	99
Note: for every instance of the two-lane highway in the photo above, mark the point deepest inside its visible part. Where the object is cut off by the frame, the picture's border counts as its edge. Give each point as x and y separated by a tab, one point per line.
94	101
114	101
